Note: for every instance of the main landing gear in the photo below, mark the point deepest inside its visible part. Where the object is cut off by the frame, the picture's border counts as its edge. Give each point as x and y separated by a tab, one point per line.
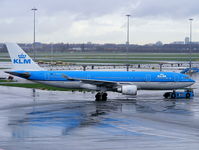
101	96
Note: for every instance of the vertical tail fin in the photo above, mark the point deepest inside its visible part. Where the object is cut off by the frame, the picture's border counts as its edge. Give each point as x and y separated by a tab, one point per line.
19	58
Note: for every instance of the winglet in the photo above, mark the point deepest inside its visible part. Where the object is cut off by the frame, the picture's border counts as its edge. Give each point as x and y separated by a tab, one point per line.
20	59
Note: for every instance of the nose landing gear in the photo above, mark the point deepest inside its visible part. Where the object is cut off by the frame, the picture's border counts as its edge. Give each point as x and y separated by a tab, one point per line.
101	96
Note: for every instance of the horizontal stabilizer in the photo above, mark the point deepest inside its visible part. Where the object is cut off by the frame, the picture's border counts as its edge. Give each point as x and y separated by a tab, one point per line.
23	75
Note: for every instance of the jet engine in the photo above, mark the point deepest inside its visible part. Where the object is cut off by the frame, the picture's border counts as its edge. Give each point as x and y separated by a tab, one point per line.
128	89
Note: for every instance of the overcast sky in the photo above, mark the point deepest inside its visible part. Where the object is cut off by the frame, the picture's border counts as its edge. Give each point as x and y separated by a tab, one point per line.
98	21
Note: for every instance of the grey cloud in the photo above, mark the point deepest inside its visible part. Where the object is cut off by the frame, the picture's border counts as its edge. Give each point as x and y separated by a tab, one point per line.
86	8
83	9
176	9
58	16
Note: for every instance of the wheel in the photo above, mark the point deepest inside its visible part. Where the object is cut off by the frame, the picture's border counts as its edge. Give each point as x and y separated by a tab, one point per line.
166	95
101	96
104	96
173	95
98	96
188	95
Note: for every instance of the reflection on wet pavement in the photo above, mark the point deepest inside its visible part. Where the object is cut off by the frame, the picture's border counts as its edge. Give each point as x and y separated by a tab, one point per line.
67	120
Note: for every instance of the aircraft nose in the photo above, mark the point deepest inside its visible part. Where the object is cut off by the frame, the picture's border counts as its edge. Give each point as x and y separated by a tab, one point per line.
192	81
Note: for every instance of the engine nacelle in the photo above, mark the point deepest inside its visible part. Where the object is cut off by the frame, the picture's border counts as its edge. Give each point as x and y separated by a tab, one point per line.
128	89
88	86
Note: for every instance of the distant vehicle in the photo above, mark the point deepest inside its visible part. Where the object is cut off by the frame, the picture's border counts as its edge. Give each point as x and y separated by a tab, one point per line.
101	81
190	70
187	93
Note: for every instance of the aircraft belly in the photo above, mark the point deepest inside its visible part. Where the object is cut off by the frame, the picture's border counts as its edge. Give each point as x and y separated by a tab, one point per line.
140	85
162	85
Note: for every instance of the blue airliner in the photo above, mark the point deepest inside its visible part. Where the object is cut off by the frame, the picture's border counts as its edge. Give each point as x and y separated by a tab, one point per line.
101	81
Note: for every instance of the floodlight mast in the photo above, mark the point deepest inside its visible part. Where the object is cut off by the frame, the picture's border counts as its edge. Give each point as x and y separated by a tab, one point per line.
190	44
34	26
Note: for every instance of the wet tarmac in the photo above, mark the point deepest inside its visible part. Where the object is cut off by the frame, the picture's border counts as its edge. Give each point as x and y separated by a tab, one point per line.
56	120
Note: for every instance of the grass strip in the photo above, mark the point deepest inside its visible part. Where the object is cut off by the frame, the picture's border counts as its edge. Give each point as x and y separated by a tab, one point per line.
9	81
38	86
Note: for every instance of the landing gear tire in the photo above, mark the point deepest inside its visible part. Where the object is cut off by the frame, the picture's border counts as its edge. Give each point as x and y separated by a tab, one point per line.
166	95
101	96
98	96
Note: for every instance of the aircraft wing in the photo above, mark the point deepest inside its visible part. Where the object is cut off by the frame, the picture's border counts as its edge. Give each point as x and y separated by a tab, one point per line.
95	82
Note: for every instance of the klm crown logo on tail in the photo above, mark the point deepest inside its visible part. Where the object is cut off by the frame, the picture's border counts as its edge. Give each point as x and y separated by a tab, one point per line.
19	58
22	60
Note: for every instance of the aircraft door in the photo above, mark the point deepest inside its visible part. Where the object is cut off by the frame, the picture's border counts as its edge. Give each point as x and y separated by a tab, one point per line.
88	76
47	76
54	76
148	78
176	78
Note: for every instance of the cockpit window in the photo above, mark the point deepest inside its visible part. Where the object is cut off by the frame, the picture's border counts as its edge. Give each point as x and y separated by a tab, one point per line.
186	77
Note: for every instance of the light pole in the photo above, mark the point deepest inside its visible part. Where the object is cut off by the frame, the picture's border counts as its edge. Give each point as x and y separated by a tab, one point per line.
190	44
127	42
128	16
34	11
51	44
